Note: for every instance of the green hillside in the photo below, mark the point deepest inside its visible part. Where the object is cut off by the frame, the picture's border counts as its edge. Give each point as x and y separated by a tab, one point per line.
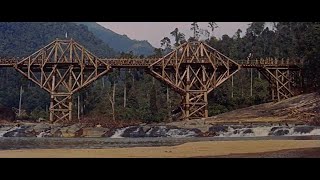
24	38
20	39
121	43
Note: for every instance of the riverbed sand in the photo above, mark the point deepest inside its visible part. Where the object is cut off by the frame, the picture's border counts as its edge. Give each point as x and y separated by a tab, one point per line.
192	149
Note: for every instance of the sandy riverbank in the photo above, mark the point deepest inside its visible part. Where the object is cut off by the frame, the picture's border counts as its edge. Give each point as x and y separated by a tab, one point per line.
192	149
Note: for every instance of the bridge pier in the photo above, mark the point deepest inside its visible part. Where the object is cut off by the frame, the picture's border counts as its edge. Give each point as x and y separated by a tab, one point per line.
283	82
195	105
60	107
193	70
195	101
62	68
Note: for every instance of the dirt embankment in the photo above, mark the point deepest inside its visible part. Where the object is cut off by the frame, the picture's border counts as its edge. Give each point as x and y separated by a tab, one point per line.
299	109
302	109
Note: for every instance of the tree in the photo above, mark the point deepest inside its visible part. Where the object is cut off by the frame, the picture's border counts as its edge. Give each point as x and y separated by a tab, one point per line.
166	43
157	53
256	28
238	34
195	29
213	26
113	101
153	102
205	33
179	37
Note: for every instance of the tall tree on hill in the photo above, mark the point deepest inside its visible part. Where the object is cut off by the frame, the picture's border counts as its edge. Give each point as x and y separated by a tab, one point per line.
178	37
166	44
212	26
153	101
195	29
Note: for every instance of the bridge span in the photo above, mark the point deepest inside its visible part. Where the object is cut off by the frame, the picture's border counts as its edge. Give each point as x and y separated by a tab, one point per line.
193	70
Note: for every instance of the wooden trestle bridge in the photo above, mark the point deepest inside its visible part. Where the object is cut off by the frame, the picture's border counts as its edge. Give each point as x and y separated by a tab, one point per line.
193	70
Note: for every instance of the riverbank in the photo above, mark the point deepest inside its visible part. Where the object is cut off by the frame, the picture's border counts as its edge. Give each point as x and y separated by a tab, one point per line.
190	149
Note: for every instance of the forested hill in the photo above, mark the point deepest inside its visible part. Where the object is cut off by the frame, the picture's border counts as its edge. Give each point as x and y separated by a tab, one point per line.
24	38
120	43
21	39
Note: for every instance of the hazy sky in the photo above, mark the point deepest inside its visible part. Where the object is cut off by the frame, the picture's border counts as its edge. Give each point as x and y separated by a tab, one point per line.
155	31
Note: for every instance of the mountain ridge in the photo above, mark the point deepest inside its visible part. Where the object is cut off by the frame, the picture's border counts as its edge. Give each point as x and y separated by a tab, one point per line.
120	43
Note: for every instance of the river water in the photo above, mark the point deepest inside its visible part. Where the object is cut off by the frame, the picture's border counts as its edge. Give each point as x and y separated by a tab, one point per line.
166	137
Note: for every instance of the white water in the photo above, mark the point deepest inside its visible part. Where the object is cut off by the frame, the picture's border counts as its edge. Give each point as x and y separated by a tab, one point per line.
4	130
119	132
176	133
232	131
43	134
263	131
311	133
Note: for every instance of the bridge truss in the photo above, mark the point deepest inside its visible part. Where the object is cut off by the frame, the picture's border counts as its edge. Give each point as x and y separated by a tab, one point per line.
193	70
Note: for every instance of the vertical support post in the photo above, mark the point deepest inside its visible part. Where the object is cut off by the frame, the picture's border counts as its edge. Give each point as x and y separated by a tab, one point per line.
187	99
125	95
20	101
272	93
78	107
205	93
251	83
205	98
289	78
231	86
52	97
277	84
70	96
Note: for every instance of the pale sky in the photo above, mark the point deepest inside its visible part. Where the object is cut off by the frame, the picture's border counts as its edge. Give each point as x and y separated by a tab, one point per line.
155	31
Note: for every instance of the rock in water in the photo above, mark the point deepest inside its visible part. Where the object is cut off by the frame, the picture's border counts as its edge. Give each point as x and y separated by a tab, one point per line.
146	128
281	132
237	131
218	128
303	129
247	131
94	132
158	131
273	129
72	131
21	132
40	128
134	132
55	132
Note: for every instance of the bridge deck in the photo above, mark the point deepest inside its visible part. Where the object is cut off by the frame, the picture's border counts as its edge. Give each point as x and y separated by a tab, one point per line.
144	63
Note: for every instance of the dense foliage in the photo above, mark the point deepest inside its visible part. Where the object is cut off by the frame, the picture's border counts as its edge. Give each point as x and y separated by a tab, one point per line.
20	39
